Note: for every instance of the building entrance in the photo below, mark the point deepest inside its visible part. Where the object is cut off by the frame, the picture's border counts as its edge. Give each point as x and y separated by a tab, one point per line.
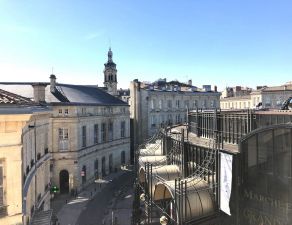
64	182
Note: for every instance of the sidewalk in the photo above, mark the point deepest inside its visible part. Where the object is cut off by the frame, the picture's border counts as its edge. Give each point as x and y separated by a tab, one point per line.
68	208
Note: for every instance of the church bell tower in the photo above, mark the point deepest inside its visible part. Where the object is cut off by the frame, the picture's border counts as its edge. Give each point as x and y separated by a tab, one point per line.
110	74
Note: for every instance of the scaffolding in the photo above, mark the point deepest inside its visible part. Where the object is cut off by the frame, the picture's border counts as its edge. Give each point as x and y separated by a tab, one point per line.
176	179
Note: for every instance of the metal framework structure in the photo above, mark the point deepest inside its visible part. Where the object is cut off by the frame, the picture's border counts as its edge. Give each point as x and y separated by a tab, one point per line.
176	179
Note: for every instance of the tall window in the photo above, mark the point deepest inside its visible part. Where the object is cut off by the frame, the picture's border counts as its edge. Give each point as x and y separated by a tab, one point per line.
160	103
1	184
83	111
123	127
110	131
103	132
169	104
153	121
195	104
187	104
177	103
153	104
95	133
83	136
63	139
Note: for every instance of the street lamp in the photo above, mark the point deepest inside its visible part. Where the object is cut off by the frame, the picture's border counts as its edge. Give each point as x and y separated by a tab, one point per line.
163	220
142	197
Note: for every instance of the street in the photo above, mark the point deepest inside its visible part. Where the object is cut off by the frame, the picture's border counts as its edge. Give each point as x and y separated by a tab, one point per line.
100	207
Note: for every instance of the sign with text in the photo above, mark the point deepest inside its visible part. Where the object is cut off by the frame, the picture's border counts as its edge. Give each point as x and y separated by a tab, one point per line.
225	181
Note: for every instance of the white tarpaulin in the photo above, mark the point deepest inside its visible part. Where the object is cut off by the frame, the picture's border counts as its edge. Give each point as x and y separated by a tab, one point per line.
225	181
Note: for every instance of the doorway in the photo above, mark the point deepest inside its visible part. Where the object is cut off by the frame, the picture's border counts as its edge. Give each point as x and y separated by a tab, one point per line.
64	181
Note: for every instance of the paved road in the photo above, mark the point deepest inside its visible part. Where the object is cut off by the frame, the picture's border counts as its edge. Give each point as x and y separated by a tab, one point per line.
96	209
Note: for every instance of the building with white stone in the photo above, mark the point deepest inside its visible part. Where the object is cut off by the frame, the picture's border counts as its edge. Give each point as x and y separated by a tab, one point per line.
24	159
162	103
88	136
263	97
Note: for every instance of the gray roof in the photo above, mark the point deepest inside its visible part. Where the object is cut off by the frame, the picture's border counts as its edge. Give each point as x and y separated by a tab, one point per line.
7	97
66	94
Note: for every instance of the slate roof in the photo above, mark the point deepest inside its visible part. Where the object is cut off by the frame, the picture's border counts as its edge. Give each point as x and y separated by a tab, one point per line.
66	94
11	98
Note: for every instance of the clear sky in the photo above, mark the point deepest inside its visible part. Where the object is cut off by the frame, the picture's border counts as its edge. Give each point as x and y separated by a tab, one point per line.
218	42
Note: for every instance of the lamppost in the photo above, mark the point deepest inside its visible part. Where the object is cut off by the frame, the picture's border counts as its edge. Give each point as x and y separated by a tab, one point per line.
163	220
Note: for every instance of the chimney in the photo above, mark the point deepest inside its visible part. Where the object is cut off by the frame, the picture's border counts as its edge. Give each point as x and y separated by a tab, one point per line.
39	92
238	88
215	88
52	83
190	82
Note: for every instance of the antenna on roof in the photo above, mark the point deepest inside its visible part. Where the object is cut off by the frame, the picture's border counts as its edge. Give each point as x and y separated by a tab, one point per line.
109	42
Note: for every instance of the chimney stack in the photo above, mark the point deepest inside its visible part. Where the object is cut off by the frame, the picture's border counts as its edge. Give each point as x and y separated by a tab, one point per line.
190	82
215	88
52	83
39	92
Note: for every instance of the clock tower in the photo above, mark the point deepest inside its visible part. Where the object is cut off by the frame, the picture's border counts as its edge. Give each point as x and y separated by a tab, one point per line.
110	74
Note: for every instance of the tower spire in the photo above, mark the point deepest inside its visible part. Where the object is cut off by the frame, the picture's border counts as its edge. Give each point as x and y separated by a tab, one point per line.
110	55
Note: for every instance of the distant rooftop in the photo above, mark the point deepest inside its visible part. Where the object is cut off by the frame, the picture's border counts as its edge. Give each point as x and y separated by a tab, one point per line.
174	85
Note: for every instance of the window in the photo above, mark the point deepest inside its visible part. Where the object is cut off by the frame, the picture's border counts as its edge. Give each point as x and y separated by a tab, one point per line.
1	184
63	139
161	104
187	104
63	134
103	132
83	136
169	104
153	121
177	103
83	111
110	131
95	133
153	103
123	157
177	117
60	111
195	104
169	118
66	112
123	126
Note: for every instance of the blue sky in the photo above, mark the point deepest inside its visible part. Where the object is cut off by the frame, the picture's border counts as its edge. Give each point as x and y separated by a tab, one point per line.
218	42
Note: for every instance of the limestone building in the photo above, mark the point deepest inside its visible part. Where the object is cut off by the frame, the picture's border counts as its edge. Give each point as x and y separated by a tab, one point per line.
265	97
24	159
161	103
89	131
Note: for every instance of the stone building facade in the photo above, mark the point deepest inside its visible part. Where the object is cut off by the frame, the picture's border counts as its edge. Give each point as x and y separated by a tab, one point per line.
265	97
166	103
85	136
88	142
24	159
